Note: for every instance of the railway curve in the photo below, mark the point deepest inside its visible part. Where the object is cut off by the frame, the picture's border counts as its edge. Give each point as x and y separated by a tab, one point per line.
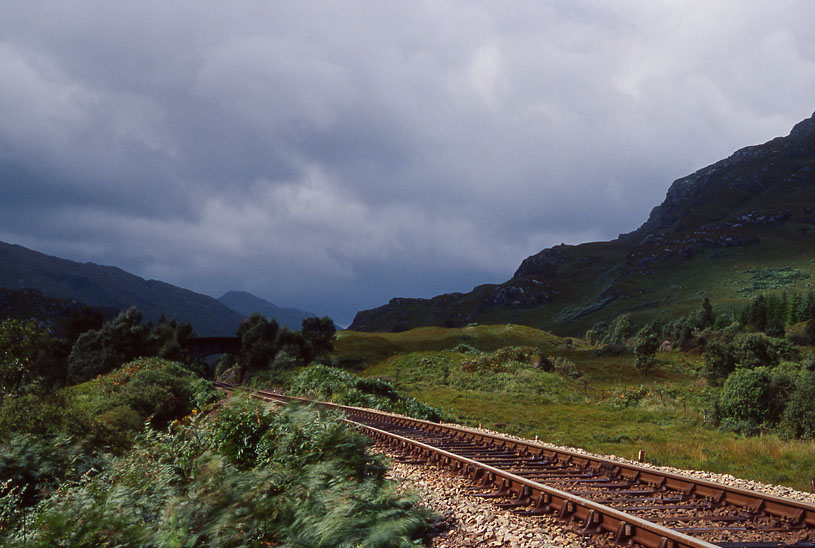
628	504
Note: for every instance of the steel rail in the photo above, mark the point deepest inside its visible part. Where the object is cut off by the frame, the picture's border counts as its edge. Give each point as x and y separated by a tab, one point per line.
595	518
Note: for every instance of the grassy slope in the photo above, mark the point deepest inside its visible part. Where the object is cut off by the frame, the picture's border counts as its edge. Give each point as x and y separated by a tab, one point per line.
668	422
721	273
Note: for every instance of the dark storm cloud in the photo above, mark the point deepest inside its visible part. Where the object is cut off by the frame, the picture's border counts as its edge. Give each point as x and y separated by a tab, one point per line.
333	155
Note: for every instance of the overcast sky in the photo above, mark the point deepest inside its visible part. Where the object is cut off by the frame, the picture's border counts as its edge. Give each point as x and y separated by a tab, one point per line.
332	155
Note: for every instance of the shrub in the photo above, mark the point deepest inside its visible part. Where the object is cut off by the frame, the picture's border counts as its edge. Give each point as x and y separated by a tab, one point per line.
464	348
44	415
798	419
328	383
154	388
319	487
238	432
565	367
613	349
720	361
756	350
753	399
22	345
645	348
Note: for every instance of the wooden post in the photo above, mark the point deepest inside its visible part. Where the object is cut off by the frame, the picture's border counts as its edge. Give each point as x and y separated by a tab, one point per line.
640	456
812	484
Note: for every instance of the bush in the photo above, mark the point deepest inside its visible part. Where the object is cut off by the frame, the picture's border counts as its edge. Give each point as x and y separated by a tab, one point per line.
327	383
613	349
35	466
753	350
753	398
464	348
155	389
318	487
798	419
720	361
565	367
44	415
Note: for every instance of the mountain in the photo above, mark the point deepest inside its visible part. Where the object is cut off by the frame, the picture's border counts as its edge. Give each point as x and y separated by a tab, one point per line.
111	287
742	225
247	304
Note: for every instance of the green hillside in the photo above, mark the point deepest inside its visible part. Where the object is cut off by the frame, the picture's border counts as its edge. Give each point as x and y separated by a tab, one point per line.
527	382
745	218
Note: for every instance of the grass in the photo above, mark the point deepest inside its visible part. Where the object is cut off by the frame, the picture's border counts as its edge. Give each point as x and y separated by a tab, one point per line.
372	348
609	409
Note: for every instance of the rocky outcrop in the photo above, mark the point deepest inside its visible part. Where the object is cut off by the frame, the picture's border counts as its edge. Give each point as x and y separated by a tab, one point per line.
519	293
544	263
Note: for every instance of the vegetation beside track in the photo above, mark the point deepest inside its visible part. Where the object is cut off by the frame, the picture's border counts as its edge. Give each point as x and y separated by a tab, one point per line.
609	407
144	454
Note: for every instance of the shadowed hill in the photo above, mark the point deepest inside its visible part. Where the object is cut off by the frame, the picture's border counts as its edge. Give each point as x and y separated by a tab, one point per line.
111	287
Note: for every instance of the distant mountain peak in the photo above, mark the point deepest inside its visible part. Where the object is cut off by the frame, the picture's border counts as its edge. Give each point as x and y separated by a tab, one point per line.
247	304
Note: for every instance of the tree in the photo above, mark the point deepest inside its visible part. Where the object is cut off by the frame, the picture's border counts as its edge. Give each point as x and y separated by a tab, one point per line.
719	362
168	339
706	318
259	343
80	322
756	314
645	349
102	350
621	329
755	350
319	335
22	343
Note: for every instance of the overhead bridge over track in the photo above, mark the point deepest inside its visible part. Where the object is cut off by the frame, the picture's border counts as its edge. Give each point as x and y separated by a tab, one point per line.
201	347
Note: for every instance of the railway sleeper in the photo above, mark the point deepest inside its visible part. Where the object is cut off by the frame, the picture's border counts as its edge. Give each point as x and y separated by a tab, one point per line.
592	525
522	498
504	490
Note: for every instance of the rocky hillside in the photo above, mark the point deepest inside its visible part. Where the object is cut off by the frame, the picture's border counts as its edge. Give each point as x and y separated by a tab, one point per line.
112	288
717	231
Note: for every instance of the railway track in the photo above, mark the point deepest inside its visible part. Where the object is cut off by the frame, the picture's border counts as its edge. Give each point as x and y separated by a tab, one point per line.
625	504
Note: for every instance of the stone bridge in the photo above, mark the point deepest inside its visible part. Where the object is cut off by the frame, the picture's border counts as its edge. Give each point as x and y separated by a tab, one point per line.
201	347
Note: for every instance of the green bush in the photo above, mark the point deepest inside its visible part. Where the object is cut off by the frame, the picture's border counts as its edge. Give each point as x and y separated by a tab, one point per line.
44	415
798	419
35	465
316	486
565	367
720	361
331	384
154	388
756	350
754	398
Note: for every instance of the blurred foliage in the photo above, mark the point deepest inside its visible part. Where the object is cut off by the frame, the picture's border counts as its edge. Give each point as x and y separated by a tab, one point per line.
310	482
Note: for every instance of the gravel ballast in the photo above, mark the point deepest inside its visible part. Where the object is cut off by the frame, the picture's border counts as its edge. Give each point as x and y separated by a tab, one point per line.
469	521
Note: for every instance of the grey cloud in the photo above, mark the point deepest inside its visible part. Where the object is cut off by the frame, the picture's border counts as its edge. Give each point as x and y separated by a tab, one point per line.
331	156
